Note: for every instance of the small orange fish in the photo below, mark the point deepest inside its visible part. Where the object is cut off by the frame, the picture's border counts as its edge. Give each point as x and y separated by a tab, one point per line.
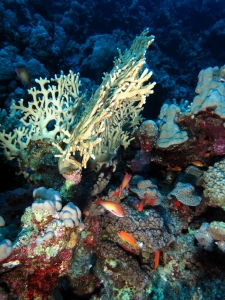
197	163
151	201
128	238
206	142
157	256
124	184
176	168
141	205
111	206
147	200
23	76
207	154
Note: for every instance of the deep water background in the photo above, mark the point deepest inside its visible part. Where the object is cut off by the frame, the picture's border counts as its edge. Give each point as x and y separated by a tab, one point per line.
48	36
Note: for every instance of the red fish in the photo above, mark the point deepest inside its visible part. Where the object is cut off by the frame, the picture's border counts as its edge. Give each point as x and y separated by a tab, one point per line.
128	238
124	184
23	76
157	256
147	200
113	207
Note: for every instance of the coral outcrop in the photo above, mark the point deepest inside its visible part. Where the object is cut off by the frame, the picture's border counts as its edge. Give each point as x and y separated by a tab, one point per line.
214	188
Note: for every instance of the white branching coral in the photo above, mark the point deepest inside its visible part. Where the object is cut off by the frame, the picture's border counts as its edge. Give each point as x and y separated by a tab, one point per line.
51	109
118	100
55	104
79	130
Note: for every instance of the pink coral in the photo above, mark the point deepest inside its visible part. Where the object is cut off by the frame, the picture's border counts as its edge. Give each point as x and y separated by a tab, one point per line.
74	176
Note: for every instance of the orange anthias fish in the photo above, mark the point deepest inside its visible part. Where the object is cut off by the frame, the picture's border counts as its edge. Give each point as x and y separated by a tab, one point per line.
157	256
197	163
23	76
176	169
147	200
207	154
124	184
141	205
128	238
113	207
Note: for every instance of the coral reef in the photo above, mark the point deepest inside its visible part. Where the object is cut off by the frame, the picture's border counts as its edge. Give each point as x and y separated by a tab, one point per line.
72	226
43	249
58	113
141	187
148	228
210	93
194	134
213	184
185	193
170	133
130	282
210	235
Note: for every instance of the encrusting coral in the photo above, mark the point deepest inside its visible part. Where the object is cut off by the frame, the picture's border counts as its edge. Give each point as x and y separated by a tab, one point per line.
148	227
210	92
185	193
43	249
82	129
210	234
213	184
170	133
141	187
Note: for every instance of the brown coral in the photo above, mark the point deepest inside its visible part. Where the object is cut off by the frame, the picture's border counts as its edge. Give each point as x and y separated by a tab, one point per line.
123	270
147	227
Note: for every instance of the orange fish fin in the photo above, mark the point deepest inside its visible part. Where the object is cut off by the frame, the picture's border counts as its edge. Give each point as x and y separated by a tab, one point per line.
117	193
157	256
127	249
98	200
141	205
127	178
150	201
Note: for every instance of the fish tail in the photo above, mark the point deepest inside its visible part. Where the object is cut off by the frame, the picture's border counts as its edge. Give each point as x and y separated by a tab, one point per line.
98	200
117	193
140	206
128	177
153	201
